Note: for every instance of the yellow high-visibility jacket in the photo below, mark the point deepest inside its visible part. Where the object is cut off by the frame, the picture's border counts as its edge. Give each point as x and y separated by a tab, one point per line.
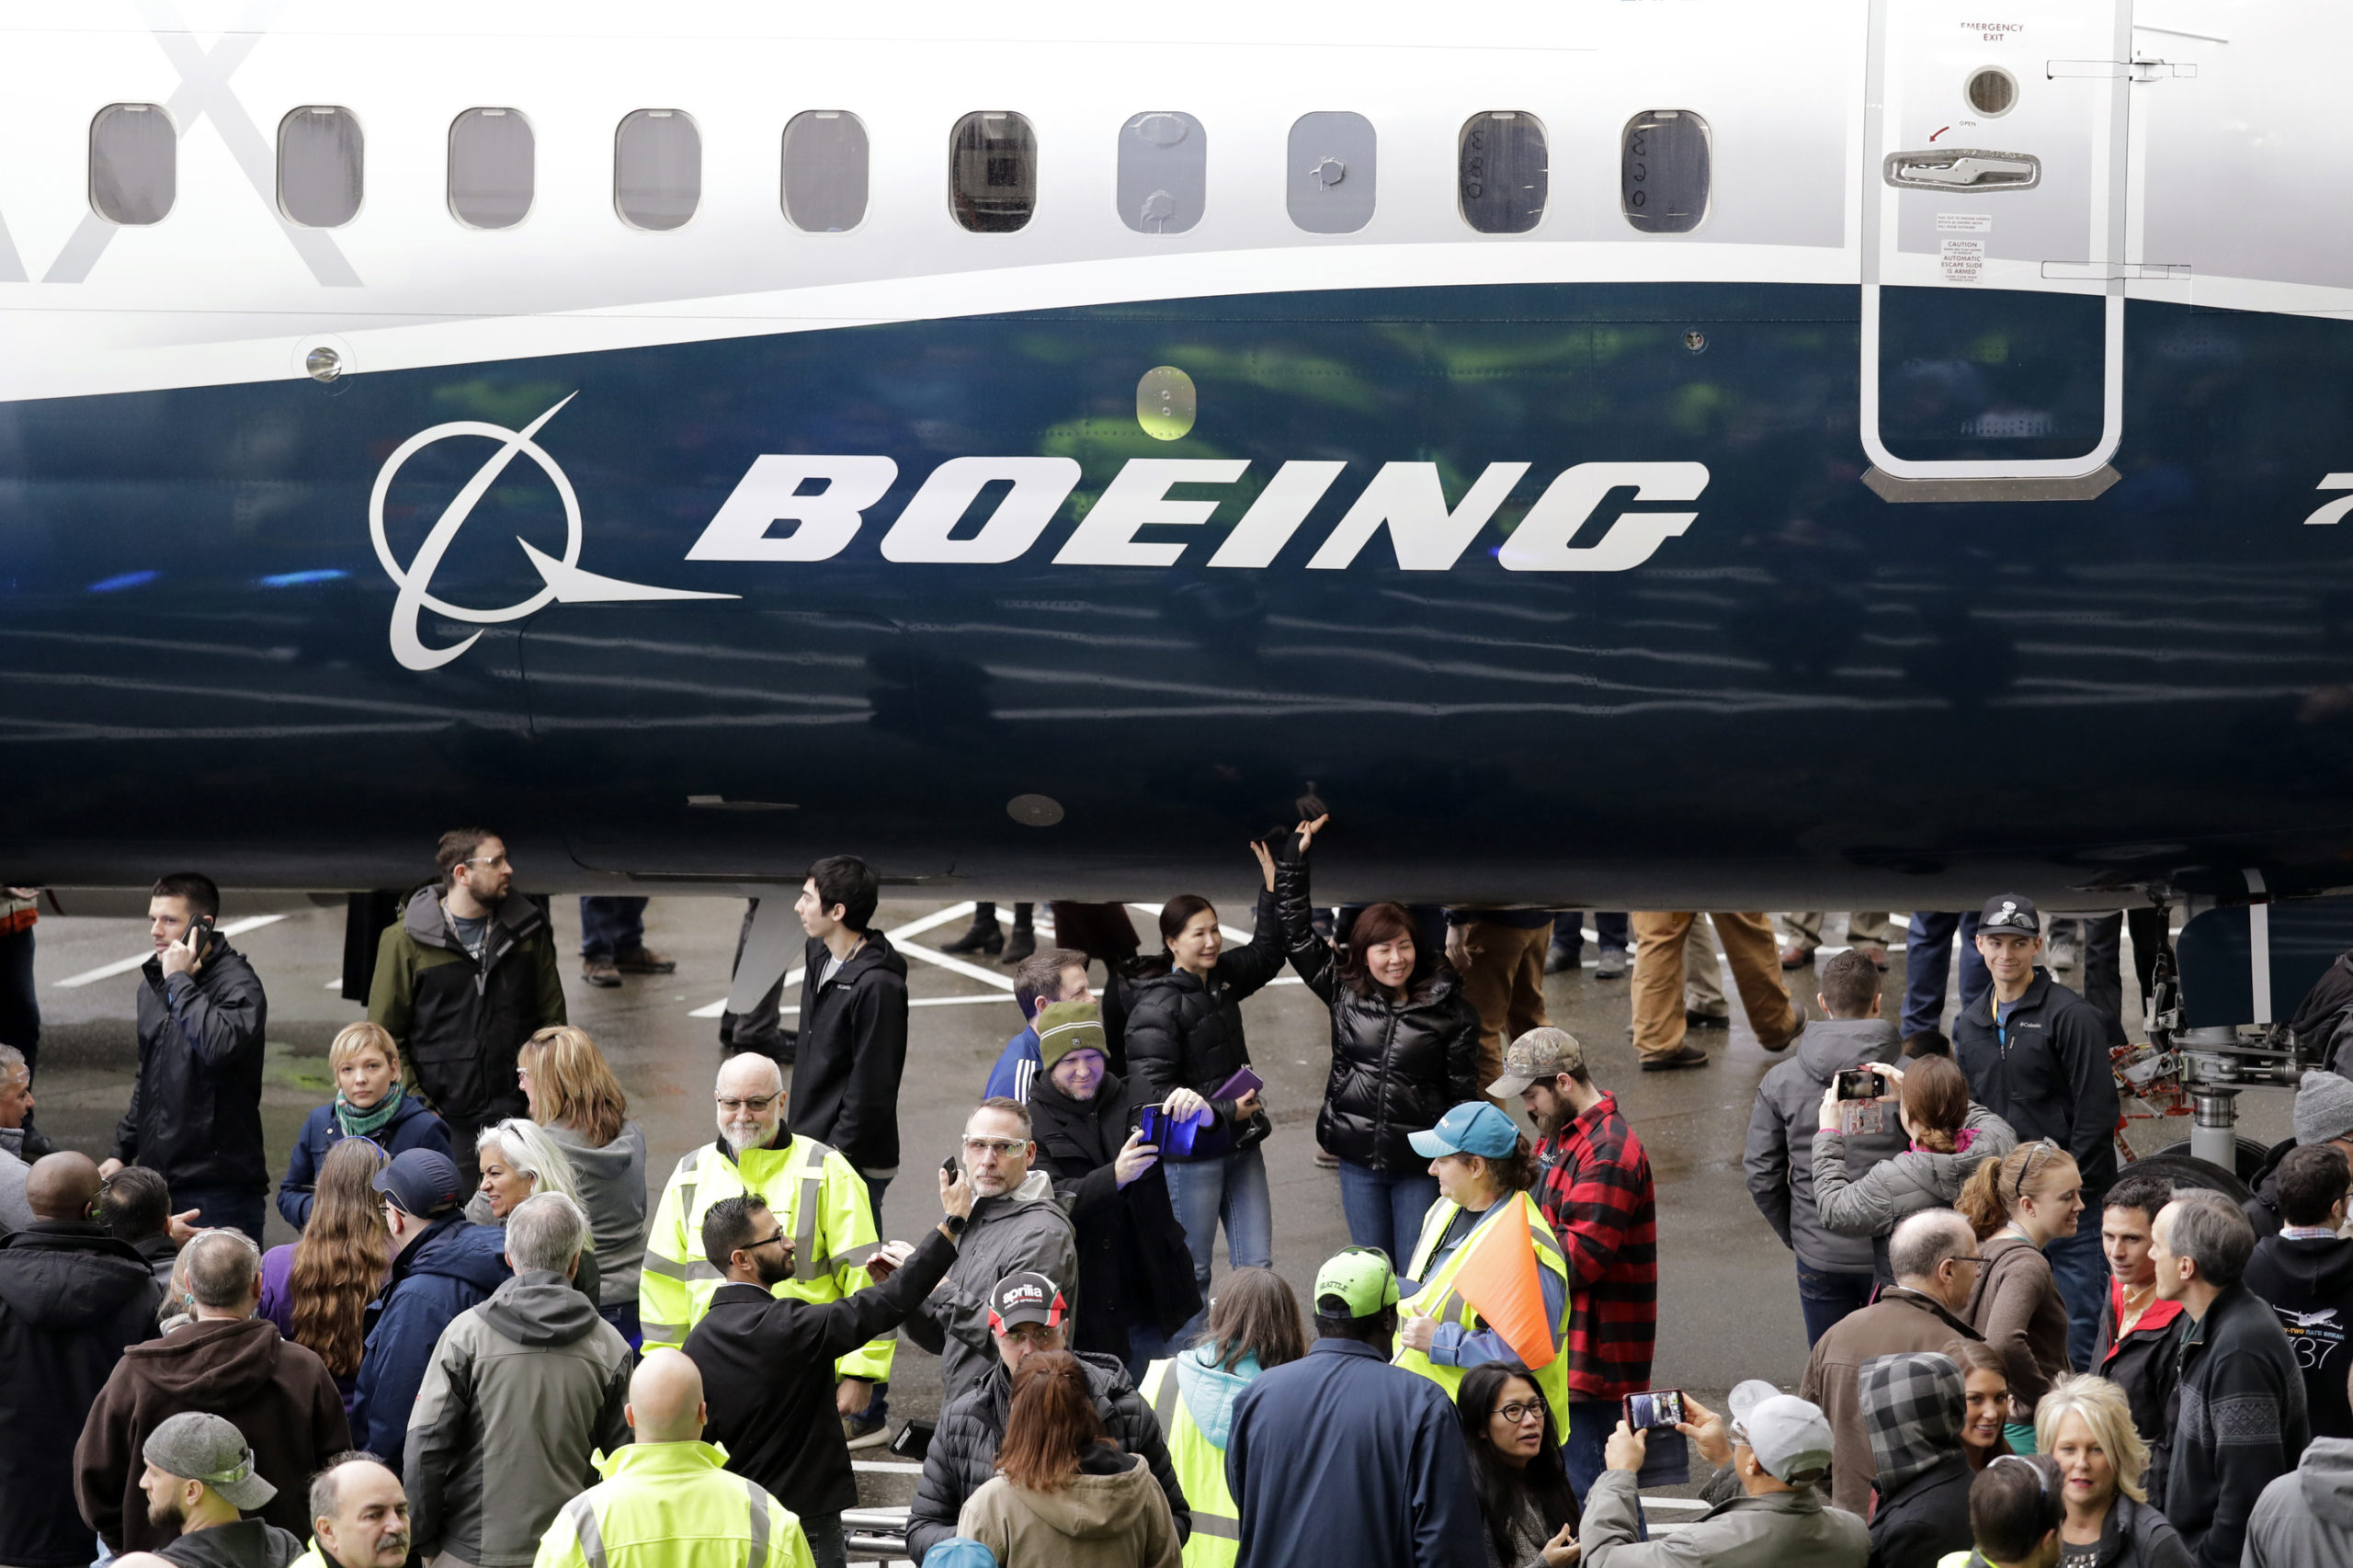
1200	1464
1439	1299
815	1196
673	1505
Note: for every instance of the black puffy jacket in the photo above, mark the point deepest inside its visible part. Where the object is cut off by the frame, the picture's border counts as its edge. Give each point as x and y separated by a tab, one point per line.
1396	1067
963	1456
1132	1266
195	1115
1185	1033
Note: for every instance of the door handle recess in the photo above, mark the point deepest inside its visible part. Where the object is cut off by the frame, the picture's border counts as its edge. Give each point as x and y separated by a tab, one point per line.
1963	168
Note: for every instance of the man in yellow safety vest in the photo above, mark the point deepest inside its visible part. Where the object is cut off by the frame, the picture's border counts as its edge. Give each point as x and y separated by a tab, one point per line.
1492	1283
817	1199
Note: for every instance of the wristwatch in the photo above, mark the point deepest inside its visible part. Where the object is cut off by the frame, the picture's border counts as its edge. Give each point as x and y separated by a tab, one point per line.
954	1223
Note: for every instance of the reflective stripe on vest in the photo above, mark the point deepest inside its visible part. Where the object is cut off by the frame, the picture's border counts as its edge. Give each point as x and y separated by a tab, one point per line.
582	1512
806	1263
759	1553
1199	1465
1437	1299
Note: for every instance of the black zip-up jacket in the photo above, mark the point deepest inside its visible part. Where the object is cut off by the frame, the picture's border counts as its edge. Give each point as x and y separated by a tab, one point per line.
2262	1209
2309	1285
195	1115
1923	1518
1132	1266
2144	1364
460	1022
767	1370
2238	1421
2052	1080
1183	1033
1396	1068
963	1450
852	1048
71	1298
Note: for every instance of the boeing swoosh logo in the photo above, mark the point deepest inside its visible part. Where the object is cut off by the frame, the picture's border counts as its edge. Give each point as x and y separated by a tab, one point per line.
565	582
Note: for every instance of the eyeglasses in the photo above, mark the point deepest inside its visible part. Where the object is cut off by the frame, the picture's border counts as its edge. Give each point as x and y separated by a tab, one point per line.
1003	1148
486	860
1520	1410
756	1104
763	1241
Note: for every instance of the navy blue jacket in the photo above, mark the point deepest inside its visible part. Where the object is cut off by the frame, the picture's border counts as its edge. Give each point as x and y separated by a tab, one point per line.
1343	1457
411	1127
453	1266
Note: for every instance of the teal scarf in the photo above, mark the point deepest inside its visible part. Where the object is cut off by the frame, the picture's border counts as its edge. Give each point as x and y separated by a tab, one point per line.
367	1123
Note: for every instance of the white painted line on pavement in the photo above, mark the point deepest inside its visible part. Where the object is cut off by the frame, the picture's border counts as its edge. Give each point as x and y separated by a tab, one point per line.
124	966
952	965
893	1467
911	928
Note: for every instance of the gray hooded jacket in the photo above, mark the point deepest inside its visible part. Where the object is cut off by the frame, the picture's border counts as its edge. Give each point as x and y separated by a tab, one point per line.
1024	1229
1872	1203
612	1188
522	1390
1780	1530
1780	1161
2305	1517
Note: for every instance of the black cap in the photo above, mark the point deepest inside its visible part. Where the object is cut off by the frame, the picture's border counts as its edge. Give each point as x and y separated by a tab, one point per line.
1025	1298
2010	914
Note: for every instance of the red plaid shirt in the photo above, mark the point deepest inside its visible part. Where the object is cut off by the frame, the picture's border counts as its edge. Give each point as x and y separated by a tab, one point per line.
1596	1190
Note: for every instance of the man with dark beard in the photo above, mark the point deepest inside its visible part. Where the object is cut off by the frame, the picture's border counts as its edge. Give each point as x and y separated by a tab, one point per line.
1595	1186
200	1481
766	1362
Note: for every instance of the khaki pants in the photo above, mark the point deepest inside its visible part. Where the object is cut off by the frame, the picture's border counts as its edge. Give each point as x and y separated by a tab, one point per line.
1804	928
1747	939
1703	985
1505	982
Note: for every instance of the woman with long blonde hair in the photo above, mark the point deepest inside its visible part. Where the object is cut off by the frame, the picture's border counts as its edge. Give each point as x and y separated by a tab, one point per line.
578	1103
368	1103
2085	1424
317	1289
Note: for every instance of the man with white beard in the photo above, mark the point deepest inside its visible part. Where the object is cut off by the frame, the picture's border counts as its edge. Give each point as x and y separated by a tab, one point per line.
816	1198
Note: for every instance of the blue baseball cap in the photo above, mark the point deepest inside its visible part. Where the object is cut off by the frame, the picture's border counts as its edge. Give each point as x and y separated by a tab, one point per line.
423	1182
1474	1127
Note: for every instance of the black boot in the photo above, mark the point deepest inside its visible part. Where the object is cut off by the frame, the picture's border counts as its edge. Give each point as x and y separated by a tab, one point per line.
984	936
1022	945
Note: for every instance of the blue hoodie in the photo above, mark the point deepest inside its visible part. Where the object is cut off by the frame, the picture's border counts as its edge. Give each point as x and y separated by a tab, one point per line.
1209	1391
453	1266
411	1127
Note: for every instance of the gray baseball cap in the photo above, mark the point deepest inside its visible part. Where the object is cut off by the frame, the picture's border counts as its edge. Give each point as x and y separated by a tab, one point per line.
198	1446
1789	1437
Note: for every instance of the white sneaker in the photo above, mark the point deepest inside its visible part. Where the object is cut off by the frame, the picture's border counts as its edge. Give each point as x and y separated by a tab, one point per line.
1612	964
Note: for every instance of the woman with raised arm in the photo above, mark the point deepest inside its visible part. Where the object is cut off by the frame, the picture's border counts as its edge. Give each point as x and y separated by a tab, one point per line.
1404	1050
1951	1136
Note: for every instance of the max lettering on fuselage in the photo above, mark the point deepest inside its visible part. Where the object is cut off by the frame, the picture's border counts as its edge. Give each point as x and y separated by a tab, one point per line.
824	500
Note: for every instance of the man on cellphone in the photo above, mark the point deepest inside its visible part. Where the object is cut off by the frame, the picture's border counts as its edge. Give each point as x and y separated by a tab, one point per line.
195	1115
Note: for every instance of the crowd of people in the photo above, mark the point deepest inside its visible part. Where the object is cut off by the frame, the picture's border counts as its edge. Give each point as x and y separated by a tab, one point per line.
503	1339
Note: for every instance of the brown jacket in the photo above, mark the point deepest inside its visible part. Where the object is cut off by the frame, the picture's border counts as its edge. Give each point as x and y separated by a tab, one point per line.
279	1394
2016	1307
1901	1320
1112	1514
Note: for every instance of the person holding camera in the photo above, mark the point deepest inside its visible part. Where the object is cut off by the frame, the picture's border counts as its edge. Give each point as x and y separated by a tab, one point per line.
195	1115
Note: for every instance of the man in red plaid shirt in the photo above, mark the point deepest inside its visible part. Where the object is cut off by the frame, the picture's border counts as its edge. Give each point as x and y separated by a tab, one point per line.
1595	1187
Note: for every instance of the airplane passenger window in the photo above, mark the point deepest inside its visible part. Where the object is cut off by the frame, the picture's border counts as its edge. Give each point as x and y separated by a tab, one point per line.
1329	183
825	171
1164	172
491	167
1663	171
657	168
1501	171
134	164
992	173
319	161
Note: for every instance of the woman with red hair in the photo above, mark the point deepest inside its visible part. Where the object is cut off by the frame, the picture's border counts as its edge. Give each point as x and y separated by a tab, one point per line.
1064	1495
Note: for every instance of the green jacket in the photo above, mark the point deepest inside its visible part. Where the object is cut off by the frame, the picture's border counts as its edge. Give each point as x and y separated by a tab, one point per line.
459	1022
673	1505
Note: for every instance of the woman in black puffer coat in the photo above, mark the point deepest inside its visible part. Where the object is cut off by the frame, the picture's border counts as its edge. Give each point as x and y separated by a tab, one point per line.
1184	1044
1404	1052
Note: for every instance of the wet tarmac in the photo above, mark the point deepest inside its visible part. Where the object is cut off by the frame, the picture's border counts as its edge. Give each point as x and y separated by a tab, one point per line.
1728	1306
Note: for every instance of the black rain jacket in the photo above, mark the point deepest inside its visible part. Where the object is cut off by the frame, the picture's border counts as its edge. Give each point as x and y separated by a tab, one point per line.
458	1023
2052	1080
1185	1033
1397	1067
1132	1266
71	1298
853	1046
195	1115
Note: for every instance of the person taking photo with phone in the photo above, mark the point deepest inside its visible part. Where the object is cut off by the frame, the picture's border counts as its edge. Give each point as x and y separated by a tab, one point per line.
195	1115
1950	1136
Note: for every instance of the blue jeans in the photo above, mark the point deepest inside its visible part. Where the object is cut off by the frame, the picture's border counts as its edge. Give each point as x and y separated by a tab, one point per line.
1232	1190
1825	1297
609	926
2079	1269
1927	965
1146	1345
1386	1211
223	1206
1568	935
624	1319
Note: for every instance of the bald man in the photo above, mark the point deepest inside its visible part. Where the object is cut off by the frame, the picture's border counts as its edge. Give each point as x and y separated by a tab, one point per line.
70	1303
668	1492
358	1515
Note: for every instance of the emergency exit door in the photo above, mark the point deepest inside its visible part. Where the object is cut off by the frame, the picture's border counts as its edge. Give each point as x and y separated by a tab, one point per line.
1994	225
